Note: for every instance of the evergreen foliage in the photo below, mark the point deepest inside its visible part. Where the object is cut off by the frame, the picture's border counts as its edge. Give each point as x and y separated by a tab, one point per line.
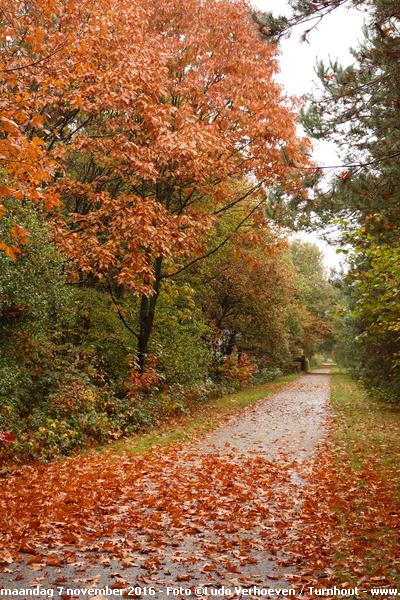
359	110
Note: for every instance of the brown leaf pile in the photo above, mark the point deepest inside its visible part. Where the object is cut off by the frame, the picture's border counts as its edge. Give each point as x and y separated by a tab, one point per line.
348	532
153	501
236	507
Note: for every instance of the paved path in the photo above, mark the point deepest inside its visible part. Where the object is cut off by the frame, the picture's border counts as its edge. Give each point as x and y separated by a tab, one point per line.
235	498
289	422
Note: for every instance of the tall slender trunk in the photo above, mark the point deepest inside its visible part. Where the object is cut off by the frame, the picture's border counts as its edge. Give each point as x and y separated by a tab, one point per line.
146	317
230	343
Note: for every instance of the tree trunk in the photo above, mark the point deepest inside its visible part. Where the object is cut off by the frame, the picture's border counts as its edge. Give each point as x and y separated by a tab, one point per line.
146	317
230	343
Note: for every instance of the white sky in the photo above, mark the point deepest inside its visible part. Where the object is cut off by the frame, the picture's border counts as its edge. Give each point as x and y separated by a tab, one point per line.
332	39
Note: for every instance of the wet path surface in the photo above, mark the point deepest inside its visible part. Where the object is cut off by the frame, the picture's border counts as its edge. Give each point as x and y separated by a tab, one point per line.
216	512
288	422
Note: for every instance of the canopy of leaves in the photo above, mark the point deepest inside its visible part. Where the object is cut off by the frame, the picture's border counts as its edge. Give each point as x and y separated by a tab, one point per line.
141	140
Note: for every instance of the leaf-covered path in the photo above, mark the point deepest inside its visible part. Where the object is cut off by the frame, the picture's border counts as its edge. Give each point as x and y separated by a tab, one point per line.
224	510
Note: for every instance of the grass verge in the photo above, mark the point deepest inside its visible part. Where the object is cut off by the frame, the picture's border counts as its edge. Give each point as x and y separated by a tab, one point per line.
200	419
367	445
366	427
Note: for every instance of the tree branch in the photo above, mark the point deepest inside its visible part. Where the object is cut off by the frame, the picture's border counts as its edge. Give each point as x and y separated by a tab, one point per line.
214	250
359	165
121	316
231	204
37	62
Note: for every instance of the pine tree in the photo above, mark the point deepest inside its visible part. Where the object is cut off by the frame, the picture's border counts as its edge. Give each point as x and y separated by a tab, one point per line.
360	111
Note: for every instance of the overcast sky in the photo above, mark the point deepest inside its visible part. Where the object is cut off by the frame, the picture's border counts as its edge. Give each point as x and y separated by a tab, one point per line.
334	37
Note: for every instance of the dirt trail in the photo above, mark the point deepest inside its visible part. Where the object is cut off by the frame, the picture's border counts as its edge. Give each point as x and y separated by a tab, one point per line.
216	512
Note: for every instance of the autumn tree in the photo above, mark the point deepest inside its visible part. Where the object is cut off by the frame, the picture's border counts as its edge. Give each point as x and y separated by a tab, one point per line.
23	167
315	301
35	63
154	158
141	118
53	75
247	292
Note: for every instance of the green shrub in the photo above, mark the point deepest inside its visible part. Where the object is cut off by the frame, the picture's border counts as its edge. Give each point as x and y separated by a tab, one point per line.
180	337
63	357
266	375
52	438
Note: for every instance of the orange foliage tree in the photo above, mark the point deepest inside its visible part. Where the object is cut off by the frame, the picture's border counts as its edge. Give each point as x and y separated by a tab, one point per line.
34	35
145	114
55	79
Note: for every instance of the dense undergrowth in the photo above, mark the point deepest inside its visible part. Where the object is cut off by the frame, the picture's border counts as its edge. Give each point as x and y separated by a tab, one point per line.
67	360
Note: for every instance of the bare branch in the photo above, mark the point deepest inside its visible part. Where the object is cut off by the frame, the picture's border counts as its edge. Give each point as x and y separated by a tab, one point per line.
121	316
216	248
